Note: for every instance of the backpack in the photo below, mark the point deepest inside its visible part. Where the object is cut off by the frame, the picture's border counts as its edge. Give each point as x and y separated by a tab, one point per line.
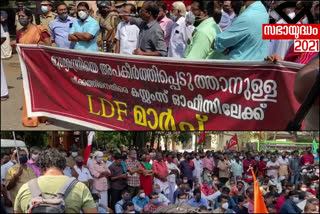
49	204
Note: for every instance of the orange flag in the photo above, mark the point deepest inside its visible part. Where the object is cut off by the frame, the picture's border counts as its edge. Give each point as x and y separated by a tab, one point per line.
259	205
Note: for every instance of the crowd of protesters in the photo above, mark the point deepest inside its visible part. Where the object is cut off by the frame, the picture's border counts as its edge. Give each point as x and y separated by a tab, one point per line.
227	30
143	181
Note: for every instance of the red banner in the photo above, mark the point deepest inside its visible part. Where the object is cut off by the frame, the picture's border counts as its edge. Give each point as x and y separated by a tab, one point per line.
121	92
232	142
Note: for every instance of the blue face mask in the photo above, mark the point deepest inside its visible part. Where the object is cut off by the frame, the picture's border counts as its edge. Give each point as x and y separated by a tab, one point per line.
156	201
23	159
127	198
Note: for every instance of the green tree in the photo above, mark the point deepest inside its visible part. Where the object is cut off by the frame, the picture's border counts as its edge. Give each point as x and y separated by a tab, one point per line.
38	138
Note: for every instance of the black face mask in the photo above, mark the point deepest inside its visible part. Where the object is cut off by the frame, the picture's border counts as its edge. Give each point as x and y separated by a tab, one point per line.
197	21
79	163
103	12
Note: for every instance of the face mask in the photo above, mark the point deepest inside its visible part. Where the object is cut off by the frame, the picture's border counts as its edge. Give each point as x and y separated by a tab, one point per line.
148	160
127	198
34	157
103	12
23	22
82	15
185	181
246	205
99	159
173	17
142	195
303	189
79	163
225	205
158	191
74	154
44	9
183	200
156	201
169	160
23	159
105	159
63	16
241	157
296	200
134	157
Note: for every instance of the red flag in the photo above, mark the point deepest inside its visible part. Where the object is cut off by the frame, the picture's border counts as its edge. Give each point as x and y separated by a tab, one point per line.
88	147
202	137
232	142
259	205
260	136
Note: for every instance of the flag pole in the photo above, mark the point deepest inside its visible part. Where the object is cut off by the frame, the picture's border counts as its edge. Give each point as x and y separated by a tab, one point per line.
15	144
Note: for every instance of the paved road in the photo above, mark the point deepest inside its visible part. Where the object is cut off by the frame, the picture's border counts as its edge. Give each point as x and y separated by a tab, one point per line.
11	110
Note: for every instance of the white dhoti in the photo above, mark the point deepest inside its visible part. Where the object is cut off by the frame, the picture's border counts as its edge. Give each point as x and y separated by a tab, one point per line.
6	49
103	197
4	86
164	186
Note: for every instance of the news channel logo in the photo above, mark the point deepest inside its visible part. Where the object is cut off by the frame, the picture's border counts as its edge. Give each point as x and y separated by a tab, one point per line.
305	11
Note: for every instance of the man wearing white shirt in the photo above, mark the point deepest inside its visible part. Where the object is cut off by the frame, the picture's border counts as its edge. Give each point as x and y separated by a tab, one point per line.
84	175
227	17
179	37
236	167
198	168
173	172
127	34
281	47
162	198
273	167
4	86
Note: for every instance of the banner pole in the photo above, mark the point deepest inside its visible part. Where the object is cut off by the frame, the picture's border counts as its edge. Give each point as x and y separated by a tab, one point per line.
15	144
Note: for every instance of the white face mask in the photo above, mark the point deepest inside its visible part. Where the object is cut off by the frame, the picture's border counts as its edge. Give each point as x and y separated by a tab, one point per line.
225	205
99	159
246	205
34	157
185	181
44	9
74	154
142	195
183	200
303	189
82	15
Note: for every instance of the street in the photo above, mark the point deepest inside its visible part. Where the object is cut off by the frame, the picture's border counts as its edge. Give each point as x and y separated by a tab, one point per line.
11	109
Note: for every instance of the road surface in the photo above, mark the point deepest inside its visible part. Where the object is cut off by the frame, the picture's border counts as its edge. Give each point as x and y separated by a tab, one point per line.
11	110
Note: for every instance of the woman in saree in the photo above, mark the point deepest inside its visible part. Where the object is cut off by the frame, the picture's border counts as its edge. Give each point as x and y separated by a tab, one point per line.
31	34
146	178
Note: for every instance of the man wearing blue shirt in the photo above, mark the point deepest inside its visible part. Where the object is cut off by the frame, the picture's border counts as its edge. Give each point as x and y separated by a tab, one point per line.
243	39
197	201
140	201
84	30
61	26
